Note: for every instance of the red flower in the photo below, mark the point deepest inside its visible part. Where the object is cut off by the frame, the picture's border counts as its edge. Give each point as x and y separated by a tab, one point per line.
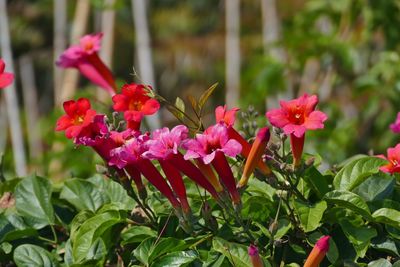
135	103
318	253
393	156
6	78
295	117
78	115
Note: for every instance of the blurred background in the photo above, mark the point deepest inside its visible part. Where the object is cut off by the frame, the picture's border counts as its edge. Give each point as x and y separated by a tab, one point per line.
259	51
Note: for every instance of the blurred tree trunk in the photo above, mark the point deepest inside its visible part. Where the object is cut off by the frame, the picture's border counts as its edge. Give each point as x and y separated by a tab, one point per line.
11	96
271	36
232	52
71	76
60	43
107	46
144	54
31	107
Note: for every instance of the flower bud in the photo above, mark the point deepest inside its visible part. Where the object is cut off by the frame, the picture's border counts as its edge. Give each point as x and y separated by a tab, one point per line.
255	258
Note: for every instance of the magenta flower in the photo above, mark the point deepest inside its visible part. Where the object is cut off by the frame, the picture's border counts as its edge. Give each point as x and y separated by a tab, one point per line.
295	117
211	147
206	145
395	127
6	78
164	147
166	142
84	57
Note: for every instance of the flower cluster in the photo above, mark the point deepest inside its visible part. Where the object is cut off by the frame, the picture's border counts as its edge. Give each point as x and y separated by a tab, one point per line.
202	158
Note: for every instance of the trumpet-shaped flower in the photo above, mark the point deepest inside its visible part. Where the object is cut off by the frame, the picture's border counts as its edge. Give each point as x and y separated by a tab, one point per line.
318	253
228	117
166	142
135	103
78	116
211	147
214	139
393	158
255	258
295	117
395	127
6	78
84	57
255	155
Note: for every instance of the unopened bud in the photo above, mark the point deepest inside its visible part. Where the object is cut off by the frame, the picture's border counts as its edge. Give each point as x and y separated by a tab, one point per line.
273	227
310	161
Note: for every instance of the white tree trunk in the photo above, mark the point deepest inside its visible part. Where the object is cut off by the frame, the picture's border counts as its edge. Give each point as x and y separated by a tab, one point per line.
28	83
71	76
144	54
11	96
232	52
60	43
107	46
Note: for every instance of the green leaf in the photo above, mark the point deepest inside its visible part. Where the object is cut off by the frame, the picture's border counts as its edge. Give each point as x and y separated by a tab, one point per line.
235	253
257	208
91	230
33	256
181	106
316	181
6	247
349	200
310	215
284	226
33	201
385	245
376	187
83	195
360	237
97	251
387	216
204	97
176	259
356	171
148	250
380	263
137	234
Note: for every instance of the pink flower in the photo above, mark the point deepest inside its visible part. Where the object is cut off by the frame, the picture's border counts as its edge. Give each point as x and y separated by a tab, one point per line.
228	117
297	115
211	147
84	57
166	142
6	78
206	145
130	152
393	158
395	127
222	115
255	258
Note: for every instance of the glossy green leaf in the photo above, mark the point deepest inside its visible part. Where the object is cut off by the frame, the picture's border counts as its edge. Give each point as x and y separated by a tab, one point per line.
360	237
91	230
349	200
257	208
310	215
33	201
176	259
385	245
380	263
316	181
137	234
387	216
83	194
356	171
376	187
235	253
33	256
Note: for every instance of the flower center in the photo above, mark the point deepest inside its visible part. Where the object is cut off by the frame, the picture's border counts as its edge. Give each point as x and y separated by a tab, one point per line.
88	46
135	105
